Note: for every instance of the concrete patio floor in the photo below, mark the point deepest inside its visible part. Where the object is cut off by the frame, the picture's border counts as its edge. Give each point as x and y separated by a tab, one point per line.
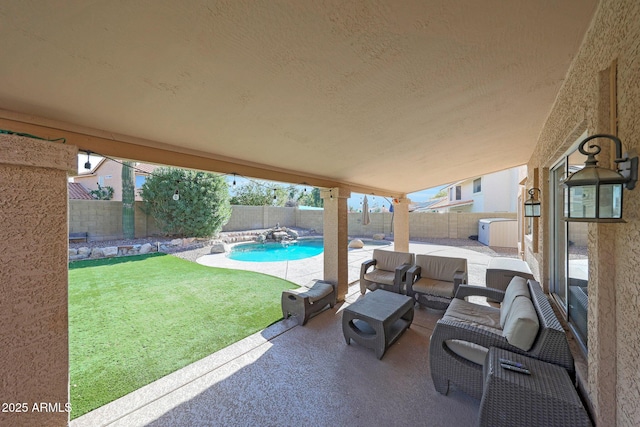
293	375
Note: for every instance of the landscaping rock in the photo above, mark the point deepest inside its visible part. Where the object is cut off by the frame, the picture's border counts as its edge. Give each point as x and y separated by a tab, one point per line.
84	251
97	253
379	236
356	244
219	248
110	251
279	236
176	242
72	252
146	248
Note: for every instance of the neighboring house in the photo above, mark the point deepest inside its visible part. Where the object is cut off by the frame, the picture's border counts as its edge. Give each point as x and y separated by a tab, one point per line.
109	173
78	191
494	192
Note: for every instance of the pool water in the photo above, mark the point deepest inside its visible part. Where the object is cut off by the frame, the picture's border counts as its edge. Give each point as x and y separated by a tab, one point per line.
271	251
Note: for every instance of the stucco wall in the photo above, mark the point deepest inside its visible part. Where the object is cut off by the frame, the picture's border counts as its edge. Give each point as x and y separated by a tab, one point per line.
102	219
33	278
613	383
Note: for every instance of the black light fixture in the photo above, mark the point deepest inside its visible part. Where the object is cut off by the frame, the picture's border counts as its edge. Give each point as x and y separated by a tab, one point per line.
532	206
87	165
594	194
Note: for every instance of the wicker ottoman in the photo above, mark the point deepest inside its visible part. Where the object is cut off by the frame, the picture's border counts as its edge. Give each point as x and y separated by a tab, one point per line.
547	397
309	300
500	271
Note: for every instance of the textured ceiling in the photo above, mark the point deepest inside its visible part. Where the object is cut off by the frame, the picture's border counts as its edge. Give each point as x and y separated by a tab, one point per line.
396	95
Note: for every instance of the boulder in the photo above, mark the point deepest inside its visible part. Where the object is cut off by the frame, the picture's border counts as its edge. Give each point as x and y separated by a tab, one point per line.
73	252
219	248
279	236
176	242
97	253
110	251
146	248
356	244
379	236
84	251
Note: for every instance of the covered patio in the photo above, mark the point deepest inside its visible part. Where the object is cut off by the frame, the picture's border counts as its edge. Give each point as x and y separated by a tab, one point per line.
289	374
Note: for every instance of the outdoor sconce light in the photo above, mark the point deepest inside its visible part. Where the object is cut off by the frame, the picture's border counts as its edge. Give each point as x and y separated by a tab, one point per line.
531	206
87	165
594	194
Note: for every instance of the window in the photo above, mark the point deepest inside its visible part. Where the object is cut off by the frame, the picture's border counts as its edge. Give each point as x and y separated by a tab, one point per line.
458	192
477	185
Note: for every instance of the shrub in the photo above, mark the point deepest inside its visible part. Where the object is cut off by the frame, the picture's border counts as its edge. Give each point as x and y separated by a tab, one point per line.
202	207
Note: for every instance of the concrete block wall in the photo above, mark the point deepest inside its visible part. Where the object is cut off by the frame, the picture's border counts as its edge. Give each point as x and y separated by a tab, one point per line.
103	221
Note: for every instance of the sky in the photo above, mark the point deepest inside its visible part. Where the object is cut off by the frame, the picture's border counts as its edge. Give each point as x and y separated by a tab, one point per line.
355	201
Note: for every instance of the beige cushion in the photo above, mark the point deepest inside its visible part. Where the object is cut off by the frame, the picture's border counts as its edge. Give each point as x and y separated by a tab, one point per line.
439	267
473	314
434	287
517	287
380	276
389	260
468	350
521	326
317	291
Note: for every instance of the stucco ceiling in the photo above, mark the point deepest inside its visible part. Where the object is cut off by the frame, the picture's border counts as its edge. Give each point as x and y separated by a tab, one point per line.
394	95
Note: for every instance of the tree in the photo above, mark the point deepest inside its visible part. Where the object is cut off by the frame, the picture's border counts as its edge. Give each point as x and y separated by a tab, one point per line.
102	193
256	194
311	198
202	207
128	200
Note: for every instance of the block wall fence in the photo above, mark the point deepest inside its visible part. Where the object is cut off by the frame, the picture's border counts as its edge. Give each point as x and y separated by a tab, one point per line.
103	221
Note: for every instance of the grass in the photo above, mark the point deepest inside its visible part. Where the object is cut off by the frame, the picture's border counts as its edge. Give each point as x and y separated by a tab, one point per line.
133	320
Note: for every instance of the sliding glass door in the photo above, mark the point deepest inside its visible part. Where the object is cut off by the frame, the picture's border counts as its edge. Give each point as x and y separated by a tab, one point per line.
569	258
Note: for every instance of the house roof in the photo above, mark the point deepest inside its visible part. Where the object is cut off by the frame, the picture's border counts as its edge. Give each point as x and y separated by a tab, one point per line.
78	191
446	204
378	96
145	168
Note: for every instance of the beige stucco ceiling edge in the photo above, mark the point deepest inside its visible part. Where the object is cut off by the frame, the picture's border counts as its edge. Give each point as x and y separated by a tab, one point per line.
128	147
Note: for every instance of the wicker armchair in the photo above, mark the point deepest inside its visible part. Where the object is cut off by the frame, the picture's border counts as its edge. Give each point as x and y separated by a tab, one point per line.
460	341
386	270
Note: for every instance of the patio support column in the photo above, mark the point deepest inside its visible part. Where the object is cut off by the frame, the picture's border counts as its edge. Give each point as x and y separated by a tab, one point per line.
336	238
401	224
34	337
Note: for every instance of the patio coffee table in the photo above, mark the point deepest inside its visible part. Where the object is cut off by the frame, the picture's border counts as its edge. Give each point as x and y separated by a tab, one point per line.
377	320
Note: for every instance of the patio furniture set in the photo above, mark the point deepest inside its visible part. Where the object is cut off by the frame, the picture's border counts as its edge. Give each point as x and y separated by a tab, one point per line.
514	358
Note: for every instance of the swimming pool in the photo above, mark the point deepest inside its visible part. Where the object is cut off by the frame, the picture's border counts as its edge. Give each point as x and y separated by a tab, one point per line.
272	251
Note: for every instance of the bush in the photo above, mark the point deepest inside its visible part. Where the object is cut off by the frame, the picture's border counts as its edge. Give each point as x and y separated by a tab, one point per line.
202	208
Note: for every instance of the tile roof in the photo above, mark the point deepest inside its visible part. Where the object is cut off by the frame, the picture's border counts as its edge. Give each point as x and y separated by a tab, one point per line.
78	191
145	167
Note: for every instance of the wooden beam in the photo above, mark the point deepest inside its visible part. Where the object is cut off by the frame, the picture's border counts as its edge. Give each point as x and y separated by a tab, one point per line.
130	148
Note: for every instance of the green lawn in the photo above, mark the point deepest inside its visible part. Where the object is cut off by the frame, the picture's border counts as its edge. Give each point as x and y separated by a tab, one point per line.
135	319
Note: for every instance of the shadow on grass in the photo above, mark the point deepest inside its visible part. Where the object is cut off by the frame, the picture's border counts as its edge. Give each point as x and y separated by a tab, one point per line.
111	261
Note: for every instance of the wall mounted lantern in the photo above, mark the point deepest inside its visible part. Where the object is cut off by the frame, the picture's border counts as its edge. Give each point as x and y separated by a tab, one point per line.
594	194
532	206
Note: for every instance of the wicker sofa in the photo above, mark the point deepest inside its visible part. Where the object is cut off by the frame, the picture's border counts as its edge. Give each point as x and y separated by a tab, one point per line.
462	337
386	270
433	281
